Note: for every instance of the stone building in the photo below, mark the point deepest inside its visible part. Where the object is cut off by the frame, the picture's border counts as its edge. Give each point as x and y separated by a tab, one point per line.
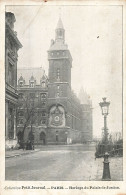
12	46
67	119
87	122
32	103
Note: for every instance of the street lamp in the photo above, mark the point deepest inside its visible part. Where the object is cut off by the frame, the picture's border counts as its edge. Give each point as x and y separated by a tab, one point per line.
105	110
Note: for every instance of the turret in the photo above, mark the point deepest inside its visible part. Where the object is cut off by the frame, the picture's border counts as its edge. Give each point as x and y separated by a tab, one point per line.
60	32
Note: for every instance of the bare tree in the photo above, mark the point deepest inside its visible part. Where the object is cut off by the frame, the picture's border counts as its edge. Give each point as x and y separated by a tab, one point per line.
27	113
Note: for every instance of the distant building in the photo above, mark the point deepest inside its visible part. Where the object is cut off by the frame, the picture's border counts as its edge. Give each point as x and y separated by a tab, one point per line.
87	122
12	46
67	120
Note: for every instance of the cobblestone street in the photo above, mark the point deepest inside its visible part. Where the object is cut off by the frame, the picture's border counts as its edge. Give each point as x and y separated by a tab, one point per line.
58	163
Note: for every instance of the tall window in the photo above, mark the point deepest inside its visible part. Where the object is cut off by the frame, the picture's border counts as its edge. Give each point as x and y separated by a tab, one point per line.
43	103
21	95
58	73
11	74
43	113
32	95
21	113
43	121
43	96
60	33
20	122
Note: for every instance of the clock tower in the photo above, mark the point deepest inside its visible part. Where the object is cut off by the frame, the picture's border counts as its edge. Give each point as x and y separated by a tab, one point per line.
60	62
59	86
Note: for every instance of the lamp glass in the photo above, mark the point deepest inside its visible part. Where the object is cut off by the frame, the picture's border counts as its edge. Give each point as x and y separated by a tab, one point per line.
105	110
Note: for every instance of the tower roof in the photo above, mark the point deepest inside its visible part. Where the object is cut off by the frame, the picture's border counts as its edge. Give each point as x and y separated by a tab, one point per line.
60	24
84	97
27	73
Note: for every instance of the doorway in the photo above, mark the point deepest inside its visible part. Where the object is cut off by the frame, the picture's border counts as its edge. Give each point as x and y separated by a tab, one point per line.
43	138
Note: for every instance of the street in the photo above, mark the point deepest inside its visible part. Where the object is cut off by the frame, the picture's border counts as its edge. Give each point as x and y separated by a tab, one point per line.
58	163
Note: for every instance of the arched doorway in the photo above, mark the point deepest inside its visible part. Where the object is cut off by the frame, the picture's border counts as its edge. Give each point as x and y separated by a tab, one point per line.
43	138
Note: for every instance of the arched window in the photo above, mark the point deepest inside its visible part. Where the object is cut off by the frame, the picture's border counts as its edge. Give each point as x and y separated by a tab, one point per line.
42	135
60	33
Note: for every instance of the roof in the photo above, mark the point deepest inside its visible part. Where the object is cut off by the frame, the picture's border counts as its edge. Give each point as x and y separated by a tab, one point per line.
59	24
84	97
10	28
27	73
58	46
11	16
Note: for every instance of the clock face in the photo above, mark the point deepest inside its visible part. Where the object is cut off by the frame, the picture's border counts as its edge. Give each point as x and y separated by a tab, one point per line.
56	118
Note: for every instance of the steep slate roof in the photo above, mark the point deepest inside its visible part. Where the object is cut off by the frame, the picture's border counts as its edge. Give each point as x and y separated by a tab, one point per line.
84	97
58	46
60	24
27	73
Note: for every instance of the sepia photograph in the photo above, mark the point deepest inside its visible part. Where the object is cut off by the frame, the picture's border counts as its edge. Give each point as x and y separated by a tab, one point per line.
63	92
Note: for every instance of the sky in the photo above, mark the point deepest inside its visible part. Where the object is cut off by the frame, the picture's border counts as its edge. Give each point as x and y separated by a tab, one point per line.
94	37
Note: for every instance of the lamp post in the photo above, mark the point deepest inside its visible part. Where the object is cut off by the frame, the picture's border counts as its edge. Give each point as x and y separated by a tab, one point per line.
56	137
105	111
66	136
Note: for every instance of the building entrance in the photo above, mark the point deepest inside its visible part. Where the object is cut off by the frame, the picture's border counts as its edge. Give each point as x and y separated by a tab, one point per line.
43	138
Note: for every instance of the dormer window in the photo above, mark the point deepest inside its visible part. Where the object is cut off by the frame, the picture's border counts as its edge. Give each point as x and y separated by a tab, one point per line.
43	84
43	80
21	83
32	81
32	84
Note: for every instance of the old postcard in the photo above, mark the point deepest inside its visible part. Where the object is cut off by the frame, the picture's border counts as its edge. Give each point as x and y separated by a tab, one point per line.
63	97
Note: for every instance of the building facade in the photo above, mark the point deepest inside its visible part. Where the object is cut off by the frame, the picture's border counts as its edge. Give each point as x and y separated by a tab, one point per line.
32	104
67	119
12	46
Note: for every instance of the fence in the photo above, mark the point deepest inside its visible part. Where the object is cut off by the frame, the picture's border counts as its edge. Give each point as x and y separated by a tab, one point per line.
114	149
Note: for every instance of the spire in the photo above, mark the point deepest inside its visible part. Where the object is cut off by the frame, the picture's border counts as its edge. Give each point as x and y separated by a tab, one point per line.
60	24
60	32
